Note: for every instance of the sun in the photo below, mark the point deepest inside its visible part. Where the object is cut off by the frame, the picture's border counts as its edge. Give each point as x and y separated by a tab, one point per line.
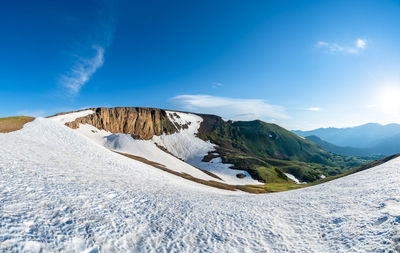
389	99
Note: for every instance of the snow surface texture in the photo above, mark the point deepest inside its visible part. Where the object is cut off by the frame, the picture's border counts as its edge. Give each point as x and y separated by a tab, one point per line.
69	117
59	191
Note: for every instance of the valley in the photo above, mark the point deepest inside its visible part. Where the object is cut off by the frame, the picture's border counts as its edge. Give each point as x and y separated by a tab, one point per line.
63	190
238	153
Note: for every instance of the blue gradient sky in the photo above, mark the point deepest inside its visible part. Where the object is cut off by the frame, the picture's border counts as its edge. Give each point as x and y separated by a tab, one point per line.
301	64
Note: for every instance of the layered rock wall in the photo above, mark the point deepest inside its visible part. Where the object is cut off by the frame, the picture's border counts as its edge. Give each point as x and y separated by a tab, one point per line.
141	123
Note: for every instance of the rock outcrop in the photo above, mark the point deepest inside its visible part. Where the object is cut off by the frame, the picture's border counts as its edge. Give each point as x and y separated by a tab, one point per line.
141	123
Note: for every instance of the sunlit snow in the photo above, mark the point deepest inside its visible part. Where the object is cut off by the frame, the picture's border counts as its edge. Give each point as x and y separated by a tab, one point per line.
69	117
61	191
293	178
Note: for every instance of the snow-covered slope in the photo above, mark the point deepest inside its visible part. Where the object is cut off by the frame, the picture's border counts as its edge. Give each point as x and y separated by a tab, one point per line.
147	149
187	146
69	117
126	144
183	145
59	191
222	170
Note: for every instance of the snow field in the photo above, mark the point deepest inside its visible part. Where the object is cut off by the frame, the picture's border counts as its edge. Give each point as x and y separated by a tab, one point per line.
147	149
59	191
69	117
183	144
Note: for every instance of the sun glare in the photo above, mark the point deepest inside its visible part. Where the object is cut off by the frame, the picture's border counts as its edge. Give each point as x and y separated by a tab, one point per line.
389	99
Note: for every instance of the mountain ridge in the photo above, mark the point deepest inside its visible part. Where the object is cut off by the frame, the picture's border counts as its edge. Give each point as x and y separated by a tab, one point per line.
266	151
364	140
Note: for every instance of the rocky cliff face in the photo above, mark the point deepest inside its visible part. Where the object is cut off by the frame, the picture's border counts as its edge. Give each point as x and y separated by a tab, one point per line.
141	123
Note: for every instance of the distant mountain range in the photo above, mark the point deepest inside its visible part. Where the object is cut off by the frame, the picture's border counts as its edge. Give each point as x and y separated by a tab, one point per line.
365	140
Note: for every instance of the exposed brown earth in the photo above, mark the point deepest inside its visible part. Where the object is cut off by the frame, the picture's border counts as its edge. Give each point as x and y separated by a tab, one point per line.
211	155
240	175
141	123
10	124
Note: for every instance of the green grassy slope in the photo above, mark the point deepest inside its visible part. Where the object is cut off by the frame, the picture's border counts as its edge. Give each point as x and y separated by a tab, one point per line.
269	140
267	151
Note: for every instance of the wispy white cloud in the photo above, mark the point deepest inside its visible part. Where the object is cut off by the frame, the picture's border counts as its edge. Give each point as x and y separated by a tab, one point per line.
216	85
359	45
83	70
90	56
332	47
231	108
371	106
313	109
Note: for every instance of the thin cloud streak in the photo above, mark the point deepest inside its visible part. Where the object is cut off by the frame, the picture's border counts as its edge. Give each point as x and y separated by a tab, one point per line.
313	109
231	108
87	63
216	85
360	44
83	70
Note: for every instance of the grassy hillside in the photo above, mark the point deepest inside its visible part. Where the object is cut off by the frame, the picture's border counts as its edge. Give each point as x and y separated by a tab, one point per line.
10	124
269	140
267	151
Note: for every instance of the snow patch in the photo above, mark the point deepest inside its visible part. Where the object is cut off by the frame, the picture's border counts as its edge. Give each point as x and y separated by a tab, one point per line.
187	146
72	116
223	171
304	138
294	179
147	149
184	144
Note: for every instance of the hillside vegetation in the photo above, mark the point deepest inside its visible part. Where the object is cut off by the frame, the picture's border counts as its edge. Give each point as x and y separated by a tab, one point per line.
267	151
10	124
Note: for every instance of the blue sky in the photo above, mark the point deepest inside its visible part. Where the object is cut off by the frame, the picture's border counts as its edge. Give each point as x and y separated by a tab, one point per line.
301	64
